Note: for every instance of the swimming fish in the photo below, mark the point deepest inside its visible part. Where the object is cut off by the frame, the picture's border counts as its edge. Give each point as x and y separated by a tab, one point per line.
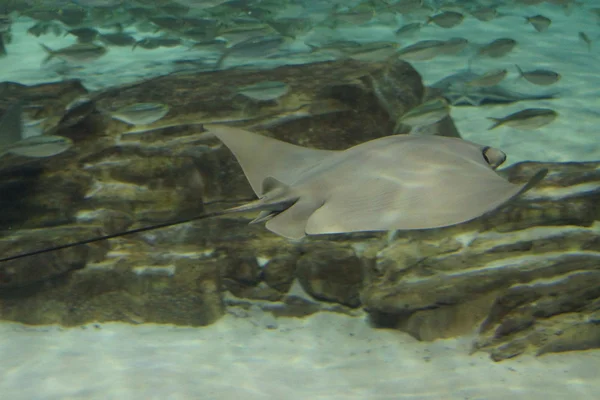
78	52
12	140
421	51
530	118
264	91
542	77
428	113
497	48
141	113
539	22
446	19
490	78
394	182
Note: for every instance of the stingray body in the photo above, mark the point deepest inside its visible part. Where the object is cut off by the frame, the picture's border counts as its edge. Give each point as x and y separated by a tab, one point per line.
458	92
394	182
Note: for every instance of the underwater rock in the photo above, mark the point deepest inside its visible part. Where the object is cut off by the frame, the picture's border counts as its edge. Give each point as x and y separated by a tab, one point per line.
327	105
518	275
279	272
525	277
331	273
24	272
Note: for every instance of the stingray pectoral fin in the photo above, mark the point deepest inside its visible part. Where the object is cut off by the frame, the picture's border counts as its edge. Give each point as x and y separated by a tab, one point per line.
291	223
449	200
261	156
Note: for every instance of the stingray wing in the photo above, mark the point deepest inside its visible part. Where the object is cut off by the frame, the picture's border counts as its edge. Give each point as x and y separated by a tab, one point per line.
261	156
427	186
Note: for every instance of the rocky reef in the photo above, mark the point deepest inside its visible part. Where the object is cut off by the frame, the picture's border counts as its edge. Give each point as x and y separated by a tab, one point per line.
525	279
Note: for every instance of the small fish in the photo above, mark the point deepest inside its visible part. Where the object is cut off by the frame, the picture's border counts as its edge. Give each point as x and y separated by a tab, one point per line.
453	46
423	50
214	45
242	33
151	43
428	113
404	6
76	111
43	28
290	27
117	39
586	39
359	15
83	35
12	141
39	146
497	48
408	29
76	53
485	13
490	78
264	91
446	19
539	22
374	51
252	47
141	113
531	118
540	77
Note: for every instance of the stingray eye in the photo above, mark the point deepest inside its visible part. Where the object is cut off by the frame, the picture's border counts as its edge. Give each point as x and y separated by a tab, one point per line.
493	157
484	154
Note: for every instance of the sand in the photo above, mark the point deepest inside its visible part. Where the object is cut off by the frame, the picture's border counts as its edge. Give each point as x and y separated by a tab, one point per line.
326	356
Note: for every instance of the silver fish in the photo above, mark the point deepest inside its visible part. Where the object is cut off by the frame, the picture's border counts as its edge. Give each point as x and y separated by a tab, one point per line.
428	113
539	22
13	142
141	113
497	48
490	78
79	52
542	77
531	118
264	91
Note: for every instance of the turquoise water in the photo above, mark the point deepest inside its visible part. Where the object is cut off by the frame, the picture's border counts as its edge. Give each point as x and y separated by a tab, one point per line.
456	260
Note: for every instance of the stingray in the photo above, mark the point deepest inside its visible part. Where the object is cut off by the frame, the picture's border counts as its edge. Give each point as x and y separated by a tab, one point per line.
399	182
455	89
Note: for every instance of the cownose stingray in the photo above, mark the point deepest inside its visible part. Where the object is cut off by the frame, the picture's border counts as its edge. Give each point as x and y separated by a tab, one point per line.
390	183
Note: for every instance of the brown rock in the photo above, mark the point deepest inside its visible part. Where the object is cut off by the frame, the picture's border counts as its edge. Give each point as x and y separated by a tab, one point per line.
331	273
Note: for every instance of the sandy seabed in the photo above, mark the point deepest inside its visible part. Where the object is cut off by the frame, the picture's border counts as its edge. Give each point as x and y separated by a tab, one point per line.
326	356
